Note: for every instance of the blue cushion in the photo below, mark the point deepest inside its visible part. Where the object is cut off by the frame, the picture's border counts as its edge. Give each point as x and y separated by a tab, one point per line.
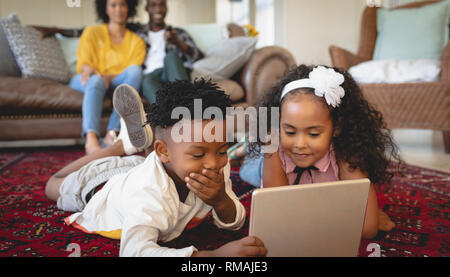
69	47
412	33
205	35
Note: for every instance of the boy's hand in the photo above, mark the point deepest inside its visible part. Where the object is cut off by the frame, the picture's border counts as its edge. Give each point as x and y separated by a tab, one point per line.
208	186
246	247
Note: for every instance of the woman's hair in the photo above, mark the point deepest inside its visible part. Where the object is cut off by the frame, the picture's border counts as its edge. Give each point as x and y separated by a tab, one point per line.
100	8
183	94
361	137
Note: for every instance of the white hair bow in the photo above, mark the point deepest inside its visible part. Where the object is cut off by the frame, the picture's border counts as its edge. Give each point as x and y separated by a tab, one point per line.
325	82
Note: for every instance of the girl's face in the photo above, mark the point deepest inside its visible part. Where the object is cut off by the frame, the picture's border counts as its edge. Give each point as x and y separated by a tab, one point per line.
306	129
117	11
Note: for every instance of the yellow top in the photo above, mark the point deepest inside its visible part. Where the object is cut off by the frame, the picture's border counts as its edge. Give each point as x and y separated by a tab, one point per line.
96	49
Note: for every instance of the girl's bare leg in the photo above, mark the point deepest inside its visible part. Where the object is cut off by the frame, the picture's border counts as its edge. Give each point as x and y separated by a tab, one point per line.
384	222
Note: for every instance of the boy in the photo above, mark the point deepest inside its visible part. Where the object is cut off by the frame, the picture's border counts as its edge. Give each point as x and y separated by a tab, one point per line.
145	200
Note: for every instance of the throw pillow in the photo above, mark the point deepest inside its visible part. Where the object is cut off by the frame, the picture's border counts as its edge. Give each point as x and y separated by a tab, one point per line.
36	57
396	71
8	65
69	48
226	58
206	36
412	33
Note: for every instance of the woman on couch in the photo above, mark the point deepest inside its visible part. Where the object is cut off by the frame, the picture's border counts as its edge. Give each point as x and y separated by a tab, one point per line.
108	55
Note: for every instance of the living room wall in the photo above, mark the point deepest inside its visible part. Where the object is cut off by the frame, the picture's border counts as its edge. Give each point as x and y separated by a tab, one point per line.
59	12
305	27
312	26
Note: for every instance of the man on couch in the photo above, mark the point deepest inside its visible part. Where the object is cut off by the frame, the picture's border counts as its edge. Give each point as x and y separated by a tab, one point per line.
170	51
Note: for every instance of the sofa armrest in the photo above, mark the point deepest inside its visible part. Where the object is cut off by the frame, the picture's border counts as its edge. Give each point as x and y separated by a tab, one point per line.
51	31
264	68
342	58
445	64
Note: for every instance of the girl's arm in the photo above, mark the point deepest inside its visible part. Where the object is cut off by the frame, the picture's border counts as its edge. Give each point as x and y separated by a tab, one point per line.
273	173
370	227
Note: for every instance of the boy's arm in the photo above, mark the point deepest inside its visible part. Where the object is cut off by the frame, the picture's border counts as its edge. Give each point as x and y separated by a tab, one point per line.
234	204
187	46
247	247
141	241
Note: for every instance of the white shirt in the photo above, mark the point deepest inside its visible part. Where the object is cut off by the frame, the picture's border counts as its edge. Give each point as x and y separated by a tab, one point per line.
145	205
157	52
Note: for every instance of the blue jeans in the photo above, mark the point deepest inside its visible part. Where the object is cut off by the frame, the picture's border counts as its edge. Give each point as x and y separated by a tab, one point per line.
94	91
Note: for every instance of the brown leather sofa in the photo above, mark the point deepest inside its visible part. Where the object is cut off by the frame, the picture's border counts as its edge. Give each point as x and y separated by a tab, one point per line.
32	109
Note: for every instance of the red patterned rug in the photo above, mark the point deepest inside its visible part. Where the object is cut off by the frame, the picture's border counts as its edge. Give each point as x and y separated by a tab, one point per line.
418	201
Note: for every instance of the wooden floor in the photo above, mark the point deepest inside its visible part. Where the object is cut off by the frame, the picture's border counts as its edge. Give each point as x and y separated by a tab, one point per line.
417	147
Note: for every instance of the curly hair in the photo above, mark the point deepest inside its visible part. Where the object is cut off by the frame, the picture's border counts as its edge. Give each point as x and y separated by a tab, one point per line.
100	8
182	94
362	139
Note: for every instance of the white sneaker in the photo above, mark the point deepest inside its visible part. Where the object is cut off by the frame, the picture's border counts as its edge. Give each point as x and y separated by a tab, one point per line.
135	134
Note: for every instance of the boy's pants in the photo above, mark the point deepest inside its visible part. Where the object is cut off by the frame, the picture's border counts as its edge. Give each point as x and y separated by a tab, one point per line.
173	70
79	186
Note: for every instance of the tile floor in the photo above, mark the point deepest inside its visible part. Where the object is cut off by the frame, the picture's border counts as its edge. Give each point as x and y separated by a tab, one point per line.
423	148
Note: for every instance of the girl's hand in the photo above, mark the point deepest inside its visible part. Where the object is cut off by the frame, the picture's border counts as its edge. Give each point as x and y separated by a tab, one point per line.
247	247
208	186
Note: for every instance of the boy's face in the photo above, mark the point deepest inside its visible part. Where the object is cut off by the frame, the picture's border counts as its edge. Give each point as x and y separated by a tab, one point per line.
183	158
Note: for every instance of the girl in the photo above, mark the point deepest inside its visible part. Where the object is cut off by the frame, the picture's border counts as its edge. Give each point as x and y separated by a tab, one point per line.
328	132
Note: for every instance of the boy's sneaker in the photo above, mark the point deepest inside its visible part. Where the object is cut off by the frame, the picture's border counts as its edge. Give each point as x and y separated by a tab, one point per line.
136	135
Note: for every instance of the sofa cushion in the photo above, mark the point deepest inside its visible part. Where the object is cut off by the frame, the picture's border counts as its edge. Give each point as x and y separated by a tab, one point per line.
396	71
8	65
225	59
36	57
205	36
39	96
412	33
69	48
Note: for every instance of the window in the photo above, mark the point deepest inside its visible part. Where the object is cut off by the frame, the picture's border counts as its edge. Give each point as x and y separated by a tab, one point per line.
258	13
